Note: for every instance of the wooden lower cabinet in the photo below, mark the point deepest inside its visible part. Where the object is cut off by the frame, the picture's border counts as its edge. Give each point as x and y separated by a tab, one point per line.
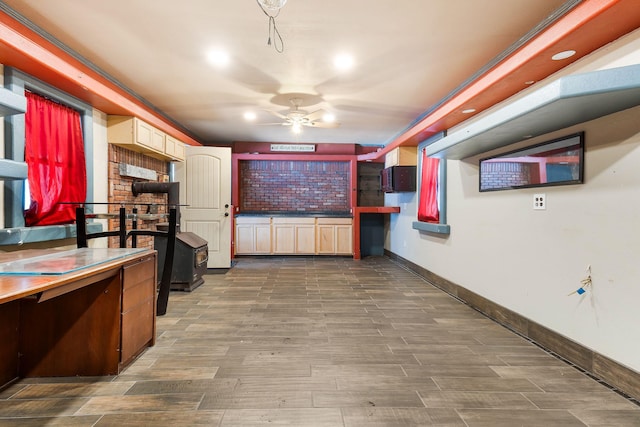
335	236
293	236
253	235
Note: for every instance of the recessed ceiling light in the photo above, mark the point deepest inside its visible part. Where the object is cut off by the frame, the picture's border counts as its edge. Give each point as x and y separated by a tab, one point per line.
343	62
529	82
218	58
328	117
249	116
469	111
563	55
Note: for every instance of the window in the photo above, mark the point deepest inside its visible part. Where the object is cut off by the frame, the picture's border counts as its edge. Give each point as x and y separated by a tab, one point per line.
431	191
54	153
15	140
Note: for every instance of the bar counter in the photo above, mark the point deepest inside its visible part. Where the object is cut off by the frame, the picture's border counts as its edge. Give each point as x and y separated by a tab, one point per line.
75	313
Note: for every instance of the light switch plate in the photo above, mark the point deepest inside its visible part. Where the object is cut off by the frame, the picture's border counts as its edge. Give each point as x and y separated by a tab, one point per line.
540	201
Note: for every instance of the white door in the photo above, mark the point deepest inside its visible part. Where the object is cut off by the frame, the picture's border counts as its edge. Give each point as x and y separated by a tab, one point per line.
205	187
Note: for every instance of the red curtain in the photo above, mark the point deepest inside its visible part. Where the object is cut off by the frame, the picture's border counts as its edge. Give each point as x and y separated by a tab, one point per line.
54	153
428	210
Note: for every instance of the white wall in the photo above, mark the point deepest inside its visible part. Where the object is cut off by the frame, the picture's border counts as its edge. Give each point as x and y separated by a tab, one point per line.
100	171
529	261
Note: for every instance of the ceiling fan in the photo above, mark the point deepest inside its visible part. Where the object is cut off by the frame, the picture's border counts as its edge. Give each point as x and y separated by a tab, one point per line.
297	118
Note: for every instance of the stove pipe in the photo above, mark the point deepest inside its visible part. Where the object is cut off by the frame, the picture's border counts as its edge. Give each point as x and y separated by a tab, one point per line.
172	189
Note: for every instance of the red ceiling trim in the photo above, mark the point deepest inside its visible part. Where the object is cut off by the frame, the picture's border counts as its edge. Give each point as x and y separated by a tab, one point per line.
582	26
22	48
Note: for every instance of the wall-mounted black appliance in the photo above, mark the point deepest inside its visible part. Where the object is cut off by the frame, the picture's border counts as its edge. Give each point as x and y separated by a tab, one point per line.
396	179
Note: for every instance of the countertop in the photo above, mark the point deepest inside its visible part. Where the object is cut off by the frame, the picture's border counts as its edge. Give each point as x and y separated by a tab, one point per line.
307	214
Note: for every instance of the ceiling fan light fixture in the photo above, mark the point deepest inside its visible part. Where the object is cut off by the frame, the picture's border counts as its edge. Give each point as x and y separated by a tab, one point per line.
296	127
328	117
273	5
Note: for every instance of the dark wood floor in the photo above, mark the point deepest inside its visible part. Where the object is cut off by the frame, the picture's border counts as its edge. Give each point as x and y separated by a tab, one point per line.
325	342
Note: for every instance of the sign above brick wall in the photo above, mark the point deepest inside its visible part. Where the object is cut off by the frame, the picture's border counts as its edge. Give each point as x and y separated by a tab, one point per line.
294	147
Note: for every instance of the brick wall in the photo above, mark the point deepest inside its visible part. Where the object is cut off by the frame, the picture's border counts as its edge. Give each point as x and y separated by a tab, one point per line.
120	192
504	174
287	186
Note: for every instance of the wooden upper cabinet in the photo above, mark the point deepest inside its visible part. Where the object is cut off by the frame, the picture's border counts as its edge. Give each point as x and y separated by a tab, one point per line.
401	156
174	148
138	135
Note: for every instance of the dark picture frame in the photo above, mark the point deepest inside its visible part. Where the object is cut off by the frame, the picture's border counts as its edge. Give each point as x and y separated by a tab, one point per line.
555	162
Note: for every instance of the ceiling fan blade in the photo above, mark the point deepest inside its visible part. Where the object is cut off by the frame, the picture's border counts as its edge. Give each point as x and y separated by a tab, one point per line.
321	124
274	124
277	114
315	115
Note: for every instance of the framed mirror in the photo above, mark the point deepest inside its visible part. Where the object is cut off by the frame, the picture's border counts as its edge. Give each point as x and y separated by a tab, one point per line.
556	162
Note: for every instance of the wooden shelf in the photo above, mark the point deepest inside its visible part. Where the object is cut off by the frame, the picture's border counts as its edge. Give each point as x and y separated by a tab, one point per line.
566	102
377	209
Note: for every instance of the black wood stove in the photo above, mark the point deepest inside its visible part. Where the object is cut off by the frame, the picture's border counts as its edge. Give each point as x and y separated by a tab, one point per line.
189	260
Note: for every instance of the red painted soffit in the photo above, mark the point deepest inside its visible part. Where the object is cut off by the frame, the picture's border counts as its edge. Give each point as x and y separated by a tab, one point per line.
23	49
586	28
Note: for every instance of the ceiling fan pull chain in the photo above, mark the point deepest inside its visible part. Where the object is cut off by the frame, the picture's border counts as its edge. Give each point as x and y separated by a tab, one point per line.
273	30
278	42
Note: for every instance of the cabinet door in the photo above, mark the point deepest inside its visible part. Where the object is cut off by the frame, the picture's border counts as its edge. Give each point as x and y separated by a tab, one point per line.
262	233
244	239
173	148
149	136
326	239
144	133
284	238
305	239
157	140
344	239
252	235
402	156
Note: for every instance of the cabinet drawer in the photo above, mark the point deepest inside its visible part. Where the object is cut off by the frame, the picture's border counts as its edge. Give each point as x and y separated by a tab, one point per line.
253	220
335	221
294	220
138	294
134	274
137	330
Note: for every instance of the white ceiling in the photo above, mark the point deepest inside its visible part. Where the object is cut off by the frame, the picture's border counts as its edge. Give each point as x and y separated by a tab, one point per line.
409	55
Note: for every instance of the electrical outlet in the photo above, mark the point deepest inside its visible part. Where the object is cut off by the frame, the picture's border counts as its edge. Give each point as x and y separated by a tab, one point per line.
540	201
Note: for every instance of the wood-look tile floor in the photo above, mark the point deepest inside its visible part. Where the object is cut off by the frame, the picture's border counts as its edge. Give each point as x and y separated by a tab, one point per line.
325	342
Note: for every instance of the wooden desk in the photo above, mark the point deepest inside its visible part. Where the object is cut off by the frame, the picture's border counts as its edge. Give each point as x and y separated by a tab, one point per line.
91	321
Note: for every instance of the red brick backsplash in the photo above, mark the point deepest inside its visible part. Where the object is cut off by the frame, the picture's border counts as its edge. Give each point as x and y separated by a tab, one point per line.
294	186
120	192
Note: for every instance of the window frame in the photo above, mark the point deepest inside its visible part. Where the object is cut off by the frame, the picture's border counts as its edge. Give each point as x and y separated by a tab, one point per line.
14	139
441	227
